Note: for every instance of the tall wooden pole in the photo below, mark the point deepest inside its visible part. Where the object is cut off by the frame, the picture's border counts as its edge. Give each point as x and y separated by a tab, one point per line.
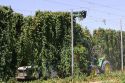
72	41
122	65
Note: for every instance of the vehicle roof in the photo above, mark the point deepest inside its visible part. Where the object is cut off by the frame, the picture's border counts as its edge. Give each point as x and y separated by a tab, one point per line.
24	67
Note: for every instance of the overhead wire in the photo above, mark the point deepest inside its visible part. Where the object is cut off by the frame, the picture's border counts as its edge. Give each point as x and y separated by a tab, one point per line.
81	7
101	20
92	9
100	11
106	6
105	12
102	5
89	9
67	4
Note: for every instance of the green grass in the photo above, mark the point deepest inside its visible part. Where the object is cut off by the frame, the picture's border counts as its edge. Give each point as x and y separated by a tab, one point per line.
115	77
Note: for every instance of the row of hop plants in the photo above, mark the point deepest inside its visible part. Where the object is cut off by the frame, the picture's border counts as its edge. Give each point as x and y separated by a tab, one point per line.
42	40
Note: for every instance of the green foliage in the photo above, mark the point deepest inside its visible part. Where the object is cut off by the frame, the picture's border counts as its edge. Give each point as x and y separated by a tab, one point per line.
7	42
80	59
42	40
109	40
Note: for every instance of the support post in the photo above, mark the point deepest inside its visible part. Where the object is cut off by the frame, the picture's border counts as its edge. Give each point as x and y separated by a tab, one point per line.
72	42
122	65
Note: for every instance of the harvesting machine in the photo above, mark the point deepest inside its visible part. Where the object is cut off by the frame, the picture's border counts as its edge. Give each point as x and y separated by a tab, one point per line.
99	63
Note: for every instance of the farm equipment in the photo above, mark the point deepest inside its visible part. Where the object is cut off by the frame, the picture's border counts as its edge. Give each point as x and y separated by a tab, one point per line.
25	73
99	63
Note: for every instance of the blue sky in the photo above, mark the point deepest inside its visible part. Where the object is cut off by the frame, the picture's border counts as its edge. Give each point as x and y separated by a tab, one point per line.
97	10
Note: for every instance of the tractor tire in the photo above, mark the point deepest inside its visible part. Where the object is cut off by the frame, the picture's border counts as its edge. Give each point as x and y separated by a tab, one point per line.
94	70
106	67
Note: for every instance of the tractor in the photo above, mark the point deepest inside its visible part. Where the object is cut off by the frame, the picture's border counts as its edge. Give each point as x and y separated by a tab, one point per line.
99	63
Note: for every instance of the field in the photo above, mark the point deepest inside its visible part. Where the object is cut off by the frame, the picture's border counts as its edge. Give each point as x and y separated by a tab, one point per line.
115	77
43	42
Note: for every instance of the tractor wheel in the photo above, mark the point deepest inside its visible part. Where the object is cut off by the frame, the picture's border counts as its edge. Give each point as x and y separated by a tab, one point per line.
94	70
106	67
